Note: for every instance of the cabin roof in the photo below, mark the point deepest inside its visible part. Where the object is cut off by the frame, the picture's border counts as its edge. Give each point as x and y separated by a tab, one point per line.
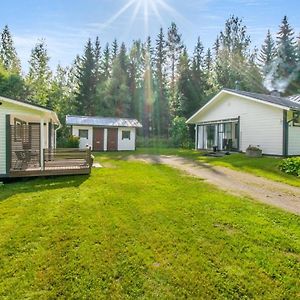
102	121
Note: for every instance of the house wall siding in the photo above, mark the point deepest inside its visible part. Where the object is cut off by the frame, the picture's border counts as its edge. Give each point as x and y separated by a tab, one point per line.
126	144
260	124
2	144
294	137
84	142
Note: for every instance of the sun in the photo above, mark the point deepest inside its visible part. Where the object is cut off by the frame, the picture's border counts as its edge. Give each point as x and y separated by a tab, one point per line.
146	9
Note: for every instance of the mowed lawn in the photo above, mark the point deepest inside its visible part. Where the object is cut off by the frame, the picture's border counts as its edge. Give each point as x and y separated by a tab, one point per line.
266	166
140	231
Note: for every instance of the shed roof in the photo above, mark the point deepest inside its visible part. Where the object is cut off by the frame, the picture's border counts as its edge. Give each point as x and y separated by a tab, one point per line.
102	121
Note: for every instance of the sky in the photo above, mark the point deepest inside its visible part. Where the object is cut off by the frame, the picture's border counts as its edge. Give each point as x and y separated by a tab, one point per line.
66	25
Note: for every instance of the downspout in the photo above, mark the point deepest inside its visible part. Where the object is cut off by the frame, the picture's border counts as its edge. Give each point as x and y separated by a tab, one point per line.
285	134
55	134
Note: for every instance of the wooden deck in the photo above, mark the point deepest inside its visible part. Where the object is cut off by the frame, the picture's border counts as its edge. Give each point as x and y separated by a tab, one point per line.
56	162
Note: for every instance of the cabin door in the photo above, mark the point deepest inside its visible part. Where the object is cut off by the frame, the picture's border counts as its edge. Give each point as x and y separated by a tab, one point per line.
98	139
112	139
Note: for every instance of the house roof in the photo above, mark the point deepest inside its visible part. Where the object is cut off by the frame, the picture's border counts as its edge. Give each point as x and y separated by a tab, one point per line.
279	102
102	121
27	102
289	103
34	106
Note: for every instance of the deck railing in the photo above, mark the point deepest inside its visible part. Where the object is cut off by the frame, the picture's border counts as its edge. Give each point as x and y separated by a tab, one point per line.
67	158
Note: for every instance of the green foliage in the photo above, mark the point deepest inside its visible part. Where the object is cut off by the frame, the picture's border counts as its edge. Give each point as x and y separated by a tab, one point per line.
69	142
180	133
8	54
39	77
11	84
291	166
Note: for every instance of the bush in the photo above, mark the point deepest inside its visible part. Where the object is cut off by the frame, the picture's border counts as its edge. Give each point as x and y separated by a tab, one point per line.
180	133
291	166
70	142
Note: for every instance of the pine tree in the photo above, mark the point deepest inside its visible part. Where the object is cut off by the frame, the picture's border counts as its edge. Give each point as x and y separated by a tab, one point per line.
39	76
175	48
85	96
185	104
208	62
106	63
8	55
115	97
161	112
267	54
122	57
286	52
135	74
97	55
198	83
114	50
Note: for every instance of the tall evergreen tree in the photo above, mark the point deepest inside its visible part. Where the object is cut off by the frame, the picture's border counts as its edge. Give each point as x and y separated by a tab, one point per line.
286	55
8	54
174	51
38	79
267	54
114	50
106	63
161	105
85	96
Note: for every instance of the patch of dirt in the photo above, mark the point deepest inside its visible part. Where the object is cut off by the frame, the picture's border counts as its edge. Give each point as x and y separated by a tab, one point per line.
238	183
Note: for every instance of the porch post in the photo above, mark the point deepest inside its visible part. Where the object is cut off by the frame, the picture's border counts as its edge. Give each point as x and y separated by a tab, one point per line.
239	134
42	141
196	137
8	145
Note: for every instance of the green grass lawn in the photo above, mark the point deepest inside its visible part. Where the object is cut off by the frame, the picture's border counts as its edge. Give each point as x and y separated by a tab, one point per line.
140	231
264	167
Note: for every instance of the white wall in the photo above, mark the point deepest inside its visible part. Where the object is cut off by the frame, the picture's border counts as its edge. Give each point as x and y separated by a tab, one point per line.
23	113
294	140
261	124
126	144
2	144
84	142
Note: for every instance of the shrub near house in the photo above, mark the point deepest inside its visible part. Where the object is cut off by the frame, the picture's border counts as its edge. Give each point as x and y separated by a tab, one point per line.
291	166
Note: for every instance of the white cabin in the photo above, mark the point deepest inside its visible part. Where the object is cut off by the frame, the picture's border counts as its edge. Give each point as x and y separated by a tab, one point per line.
104	134
234	120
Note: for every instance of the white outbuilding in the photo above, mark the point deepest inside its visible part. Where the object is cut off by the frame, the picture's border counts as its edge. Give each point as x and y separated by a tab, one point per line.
104	134
233	120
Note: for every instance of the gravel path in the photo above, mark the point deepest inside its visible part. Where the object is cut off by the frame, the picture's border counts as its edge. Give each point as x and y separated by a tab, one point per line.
238	183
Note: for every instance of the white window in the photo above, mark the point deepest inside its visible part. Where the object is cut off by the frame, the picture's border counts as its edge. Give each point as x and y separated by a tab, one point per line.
83	133
125	135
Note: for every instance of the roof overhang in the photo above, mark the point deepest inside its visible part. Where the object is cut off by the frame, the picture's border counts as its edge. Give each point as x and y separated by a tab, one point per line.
33	107
191	120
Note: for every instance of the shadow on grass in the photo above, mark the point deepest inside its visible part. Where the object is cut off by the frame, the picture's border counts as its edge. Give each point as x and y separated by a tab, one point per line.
28	185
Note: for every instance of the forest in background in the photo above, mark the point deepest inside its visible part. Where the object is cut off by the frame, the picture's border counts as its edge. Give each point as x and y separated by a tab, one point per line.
158	81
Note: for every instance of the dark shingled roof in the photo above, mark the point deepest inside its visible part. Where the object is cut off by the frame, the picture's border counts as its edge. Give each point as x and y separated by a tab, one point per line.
101	121
282	101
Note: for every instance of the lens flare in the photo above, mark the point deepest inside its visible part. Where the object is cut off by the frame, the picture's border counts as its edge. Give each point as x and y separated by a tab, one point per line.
146	9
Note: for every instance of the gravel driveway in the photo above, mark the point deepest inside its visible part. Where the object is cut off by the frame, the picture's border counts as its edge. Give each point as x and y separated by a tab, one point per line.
238	183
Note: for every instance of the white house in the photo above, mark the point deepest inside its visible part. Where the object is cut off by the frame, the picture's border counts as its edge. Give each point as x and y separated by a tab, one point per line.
104	134
25	128
234	119
28	143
